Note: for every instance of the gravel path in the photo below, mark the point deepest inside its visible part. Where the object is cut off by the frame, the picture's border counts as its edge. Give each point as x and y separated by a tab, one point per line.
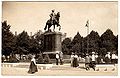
64	70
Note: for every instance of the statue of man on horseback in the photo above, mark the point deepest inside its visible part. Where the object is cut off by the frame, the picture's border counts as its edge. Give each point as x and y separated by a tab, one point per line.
54	20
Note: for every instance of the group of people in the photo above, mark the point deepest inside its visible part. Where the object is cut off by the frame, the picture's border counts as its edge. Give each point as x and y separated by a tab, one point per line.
111	58
89	61
92	59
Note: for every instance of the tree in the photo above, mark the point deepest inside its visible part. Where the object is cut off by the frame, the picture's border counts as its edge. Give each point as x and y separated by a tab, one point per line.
36	43
102	52
40	59
93	41
77	43
66	46
108	40
7	39
77	39
116	44
22	43
47	59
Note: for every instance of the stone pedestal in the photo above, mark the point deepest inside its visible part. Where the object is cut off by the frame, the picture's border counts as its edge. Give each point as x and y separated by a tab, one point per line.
52	42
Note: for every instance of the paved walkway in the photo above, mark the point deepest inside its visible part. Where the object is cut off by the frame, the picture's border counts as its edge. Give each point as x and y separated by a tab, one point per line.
60	70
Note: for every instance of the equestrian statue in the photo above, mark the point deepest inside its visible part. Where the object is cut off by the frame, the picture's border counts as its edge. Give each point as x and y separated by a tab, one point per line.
53	21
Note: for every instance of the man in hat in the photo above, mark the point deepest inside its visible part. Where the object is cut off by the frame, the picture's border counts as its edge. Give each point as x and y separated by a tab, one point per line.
57	58
52	16
92	63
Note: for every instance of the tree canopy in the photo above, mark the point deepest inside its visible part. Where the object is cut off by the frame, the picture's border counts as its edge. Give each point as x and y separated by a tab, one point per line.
25	44
7	39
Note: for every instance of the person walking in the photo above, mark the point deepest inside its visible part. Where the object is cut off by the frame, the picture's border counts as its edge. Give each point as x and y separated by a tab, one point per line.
33	66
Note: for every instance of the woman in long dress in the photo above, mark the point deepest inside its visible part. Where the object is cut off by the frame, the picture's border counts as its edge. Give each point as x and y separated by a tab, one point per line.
75	61
33	66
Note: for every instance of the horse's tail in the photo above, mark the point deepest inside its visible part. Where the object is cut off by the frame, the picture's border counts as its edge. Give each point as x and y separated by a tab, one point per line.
46	25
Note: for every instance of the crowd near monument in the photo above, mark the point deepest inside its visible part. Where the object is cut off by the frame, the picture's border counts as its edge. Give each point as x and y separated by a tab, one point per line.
52	46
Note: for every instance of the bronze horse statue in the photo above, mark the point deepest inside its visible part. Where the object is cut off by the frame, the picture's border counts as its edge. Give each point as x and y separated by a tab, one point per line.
49	22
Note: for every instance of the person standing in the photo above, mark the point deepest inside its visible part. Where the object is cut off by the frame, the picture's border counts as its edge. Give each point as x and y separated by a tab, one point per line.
108	58
57	58
96	58
87	62
2	58
33	66
61	58
92	63
72	58
114	58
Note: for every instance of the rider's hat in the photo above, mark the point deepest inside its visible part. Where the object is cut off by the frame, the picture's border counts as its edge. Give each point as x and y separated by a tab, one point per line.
53	10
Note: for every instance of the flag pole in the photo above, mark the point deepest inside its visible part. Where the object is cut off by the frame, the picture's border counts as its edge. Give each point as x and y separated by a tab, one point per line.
87	25
88	37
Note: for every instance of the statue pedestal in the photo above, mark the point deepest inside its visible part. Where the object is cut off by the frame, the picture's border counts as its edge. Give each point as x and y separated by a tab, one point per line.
52	42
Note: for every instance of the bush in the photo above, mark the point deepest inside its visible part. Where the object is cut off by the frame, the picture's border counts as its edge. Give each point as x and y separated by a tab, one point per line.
47	59
40	59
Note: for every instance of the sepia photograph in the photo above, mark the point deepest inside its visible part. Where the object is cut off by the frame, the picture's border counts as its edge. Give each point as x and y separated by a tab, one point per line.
59	38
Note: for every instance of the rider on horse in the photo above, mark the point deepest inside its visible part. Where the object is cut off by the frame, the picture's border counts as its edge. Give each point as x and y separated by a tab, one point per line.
54	20
52	16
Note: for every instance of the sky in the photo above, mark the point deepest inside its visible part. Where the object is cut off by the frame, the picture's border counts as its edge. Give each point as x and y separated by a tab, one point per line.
32	16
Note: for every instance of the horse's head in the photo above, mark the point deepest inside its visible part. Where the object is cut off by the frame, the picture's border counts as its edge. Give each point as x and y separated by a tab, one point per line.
58	14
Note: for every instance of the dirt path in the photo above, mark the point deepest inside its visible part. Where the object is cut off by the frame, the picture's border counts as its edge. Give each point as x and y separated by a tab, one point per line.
57	71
